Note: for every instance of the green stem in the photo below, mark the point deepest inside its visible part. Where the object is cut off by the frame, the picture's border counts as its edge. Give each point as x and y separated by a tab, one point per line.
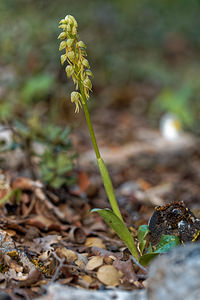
103	169
89	123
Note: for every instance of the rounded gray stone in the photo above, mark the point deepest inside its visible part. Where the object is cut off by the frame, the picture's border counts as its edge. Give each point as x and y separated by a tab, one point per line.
176	275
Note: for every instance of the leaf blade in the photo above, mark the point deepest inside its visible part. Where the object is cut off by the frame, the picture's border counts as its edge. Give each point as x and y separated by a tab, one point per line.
119	227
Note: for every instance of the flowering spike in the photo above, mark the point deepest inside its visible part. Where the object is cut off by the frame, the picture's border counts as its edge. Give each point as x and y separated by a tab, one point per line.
78	66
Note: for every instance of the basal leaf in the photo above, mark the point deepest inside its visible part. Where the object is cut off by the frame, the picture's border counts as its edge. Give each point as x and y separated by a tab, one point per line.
142	232
166	243
146	258
119	227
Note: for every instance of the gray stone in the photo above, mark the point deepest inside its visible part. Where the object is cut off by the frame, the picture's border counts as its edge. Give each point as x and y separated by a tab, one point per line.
176	276
59	292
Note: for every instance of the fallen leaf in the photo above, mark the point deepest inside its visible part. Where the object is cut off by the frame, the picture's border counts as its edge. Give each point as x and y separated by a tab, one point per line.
70	255
47	241
83	181
94	242
126	267
108	275
94	263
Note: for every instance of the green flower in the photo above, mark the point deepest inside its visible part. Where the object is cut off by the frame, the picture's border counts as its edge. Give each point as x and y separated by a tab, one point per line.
76	98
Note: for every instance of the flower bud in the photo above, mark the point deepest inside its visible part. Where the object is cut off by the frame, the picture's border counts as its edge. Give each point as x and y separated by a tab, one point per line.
74	30
74	21
63	58
87	83
62	36
69	29
69	70
68	19
85	63
63	26
81	44
63	44
71	20
70	42
71	55
63	21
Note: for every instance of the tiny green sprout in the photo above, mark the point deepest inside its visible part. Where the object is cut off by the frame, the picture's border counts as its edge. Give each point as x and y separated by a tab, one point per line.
79	69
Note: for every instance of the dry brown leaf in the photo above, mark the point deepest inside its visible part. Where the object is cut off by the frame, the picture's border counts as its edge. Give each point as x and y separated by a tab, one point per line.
94	242
6	240
70	255
126	267
47	241
80	263
108	275
83	181
94	263
87	278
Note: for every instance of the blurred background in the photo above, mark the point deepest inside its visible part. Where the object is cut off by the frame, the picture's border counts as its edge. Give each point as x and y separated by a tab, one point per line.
144	54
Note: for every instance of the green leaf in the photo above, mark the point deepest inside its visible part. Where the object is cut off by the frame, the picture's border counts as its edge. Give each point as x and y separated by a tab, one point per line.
57	182
167	242
65	134
119	227
149	249
108	187
146	258
142	232
37	87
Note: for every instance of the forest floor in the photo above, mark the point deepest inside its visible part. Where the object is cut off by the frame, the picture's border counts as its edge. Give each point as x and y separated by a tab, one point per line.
50	235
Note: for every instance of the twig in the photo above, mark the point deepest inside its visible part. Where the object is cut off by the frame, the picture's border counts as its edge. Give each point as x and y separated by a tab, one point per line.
61	264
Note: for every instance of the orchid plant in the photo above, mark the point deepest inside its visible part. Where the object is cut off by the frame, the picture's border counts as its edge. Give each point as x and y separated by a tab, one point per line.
77	67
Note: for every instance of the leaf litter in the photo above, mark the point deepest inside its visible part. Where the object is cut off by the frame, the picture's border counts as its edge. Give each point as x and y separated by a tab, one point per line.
48	235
